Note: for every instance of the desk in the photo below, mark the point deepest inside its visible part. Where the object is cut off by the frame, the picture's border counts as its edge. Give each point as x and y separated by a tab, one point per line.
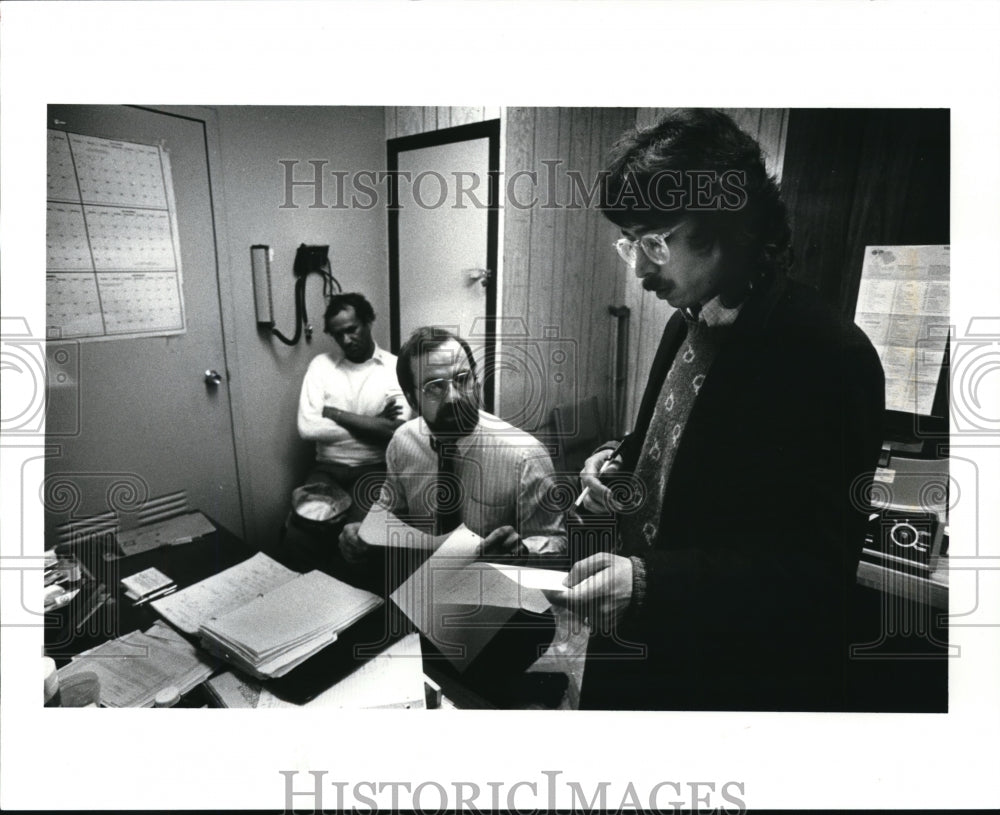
189	563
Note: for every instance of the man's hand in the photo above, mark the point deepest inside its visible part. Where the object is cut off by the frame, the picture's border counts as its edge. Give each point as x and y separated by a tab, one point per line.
599	589
598	495
391	411
504	540
352	547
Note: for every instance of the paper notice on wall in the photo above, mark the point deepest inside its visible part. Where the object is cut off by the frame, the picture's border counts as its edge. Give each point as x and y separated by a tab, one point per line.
903	307
113	264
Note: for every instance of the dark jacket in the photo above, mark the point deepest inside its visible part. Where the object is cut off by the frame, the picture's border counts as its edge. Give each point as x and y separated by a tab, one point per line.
750	580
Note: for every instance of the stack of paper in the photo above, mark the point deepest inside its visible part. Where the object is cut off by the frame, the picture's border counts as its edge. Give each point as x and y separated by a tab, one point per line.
148	584
281	628
223	592
134	668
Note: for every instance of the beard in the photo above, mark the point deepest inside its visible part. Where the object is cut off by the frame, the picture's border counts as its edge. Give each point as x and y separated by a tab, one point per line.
456	420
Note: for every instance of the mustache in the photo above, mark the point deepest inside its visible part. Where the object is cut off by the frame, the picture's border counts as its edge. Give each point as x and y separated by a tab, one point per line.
463	415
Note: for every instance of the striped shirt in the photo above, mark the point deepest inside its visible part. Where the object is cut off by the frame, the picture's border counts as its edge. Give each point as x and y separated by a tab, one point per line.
504	478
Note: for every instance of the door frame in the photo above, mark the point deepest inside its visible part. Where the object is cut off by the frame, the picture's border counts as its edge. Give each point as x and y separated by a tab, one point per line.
489	130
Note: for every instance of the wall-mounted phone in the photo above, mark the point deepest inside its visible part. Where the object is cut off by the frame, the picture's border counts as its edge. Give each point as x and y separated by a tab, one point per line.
308	260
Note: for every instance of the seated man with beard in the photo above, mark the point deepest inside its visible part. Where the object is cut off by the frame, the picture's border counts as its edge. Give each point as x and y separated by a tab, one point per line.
455	463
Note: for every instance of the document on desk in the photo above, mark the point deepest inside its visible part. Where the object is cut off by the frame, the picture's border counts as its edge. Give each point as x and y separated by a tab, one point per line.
135	667
171	532
281	628
393	679
226	591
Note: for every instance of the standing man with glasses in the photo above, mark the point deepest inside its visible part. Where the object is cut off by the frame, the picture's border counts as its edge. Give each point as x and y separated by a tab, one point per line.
731	579
455	463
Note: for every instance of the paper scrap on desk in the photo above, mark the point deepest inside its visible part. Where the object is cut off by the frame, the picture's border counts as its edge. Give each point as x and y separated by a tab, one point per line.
392	679
381	528
441	600
234	690
182	529
148	581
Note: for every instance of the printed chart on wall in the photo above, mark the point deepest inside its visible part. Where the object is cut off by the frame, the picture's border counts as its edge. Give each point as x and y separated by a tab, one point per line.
903	308
113	266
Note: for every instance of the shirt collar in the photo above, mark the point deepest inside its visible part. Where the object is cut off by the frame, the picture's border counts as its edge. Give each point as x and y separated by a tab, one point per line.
379	356
716	315
462	445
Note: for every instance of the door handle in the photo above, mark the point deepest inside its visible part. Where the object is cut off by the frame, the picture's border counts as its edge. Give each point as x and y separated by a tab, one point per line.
482	275
213	378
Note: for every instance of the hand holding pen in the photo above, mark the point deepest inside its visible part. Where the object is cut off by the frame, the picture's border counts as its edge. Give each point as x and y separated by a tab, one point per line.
595	495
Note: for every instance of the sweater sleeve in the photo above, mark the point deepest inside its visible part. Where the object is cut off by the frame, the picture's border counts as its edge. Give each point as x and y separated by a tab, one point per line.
313	426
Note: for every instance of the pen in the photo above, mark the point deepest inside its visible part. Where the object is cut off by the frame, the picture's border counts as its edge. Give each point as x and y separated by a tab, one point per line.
156	595
607	463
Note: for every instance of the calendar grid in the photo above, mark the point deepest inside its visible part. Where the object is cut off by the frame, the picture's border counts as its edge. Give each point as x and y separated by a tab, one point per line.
113	262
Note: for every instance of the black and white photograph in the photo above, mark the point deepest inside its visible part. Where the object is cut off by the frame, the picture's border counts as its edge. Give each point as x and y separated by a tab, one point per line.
618	437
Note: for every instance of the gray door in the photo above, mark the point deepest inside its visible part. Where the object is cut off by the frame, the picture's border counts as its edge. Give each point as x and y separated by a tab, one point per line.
151	434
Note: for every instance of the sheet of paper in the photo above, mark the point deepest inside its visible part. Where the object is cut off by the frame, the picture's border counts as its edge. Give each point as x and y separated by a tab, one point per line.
146	582
298	611
172	531
393	679
489	584
190	608
133	668
903	308
381	528
529	577
234	690
460	630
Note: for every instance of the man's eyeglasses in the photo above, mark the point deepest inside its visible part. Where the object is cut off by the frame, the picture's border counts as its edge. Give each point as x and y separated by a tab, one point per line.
464	382
654	245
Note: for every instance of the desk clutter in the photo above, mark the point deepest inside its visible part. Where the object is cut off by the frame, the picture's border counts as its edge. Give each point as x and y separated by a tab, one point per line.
235	637
133	669
392	679
265	618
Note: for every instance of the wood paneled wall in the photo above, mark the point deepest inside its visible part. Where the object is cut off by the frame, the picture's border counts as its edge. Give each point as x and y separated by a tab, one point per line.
561	272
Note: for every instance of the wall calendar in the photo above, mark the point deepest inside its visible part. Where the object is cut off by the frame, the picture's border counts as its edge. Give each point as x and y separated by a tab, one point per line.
113	265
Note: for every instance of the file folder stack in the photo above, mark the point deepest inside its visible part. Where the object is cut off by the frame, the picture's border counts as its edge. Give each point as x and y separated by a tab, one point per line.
278	630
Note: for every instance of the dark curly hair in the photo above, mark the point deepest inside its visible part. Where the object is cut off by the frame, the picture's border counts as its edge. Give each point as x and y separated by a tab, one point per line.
362	308
697	164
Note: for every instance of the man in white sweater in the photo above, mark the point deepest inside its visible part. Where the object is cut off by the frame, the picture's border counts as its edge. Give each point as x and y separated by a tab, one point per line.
351	405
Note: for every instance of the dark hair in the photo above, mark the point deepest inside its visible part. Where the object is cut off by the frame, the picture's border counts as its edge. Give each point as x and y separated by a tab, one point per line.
424	339
698	164
362	308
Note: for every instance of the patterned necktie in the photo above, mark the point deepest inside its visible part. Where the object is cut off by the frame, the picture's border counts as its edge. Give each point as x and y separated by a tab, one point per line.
639	527
447	491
